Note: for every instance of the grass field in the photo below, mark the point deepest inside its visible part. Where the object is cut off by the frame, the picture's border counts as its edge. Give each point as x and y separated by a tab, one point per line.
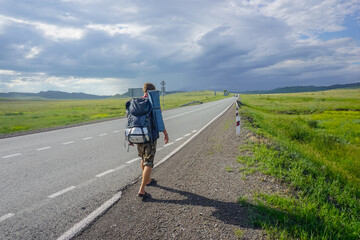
314	147
24	115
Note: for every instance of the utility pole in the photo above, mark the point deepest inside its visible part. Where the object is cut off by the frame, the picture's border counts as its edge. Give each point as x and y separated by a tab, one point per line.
163	90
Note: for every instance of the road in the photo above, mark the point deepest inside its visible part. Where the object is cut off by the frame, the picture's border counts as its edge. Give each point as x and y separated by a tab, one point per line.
50	181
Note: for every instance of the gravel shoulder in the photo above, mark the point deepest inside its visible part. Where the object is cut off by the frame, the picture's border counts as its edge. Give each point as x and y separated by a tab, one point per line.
195	196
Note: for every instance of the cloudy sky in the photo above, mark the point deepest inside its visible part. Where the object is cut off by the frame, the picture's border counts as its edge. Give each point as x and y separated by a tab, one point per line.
106	46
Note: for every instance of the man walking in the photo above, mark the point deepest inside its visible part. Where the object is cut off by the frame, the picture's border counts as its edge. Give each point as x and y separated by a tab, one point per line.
147	150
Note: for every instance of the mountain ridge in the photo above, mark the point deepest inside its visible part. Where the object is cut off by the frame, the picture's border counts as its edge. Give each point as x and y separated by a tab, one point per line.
297	89
52	95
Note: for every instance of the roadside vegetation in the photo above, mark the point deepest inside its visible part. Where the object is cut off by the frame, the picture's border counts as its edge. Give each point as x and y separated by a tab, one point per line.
311	142
18	115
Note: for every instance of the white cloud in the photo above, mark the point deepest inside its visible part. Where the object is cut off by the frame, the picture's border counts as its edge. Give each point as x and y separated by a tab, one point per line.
34	51
8	72
309	16
51	31
130	29
41	82
59	33
67	16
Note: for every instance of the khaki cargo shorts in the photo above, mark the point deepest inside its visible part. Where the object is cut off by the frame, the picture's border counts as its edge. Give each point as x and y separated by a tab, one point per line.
147	153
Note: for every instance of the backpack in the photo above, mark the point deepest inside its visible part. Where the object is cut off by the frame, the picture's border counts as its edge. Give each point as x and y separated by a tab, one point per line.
139	121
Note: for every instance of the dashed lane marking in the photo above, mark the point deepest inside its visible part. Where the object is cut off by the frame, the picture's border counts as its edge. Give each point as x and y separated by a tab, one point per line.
44	148
133	160
119	168
187	112
116	131
166	145
87	138
66	143
178	139
61	192
104	173
12	155
103	134
186	135
194	131
159	149
9	215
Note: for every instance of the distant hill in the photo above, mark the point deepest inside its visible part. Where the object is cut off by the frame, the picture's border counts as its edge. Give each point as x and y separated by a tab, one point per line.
297	89
51	95
57	95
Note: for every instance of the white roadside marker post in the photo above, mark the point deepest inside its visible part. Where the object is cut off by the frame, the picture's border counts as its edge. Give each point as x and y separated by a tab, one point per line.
237	122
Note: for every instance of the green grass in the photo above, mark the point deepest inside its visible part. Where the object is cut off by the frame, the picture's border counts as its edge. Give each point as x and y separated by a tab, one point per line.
238	233
328	132
22	115
177	99
229	169
314	149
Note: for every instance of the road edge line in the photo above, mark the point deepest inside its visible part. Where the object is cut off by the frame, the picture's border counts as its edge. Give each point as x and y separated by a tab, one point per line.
83	224
191	138
80	226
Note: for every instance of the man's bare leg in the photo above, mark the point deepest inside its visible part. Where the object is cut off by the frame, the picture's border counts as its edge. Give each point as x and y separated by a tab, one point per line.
145	178
142	167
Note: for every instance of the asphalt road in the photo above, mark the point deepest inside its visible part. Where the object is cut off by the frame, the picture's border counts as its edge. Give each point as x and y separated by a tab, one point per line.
50	181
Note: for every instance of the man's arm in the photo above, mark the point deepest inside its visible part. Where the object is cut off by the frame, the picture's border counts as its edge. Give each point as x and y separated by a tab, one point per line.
166	137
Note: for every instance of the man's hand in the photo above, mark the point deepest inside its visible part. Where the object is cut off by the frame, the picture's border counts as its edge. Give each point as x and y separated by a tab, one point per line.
166	137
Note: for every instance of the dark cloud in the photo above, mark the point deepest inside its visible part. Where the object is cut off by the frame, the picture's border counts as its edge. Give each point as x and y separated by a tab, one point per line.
190	44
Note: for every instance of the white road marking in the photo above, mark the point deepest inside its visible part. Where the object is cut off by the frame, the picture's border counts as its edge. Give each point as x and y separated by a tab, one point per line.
187	112
166	145
44	148
13	155
83	184
116	131
103	134
66	143
80	226
159	149
119	168
61	192
187	134
134	160
178	139
9	215
87	138
194	131
104	173
191	138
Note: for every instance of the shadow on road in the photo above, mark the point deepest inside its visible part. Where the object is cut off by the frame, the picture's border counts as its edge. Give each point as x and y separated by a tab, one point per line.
228	212
248	215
